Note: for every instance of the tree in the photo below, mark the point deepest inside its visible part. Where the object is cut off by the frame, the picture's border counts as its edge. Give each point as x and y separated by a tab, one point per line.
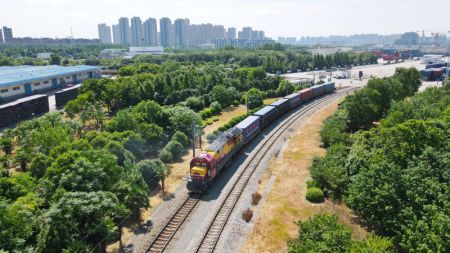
334	129
17	222
6	145
181	138
363	107
410	79
195	103
225	96
254	98
149	170
162	172
321	233
330	172
182	118
78	216
55	59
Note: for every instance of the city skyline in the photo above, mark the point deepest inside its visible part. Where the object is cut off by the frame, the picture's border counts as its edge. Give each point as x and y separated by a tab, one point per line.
285	18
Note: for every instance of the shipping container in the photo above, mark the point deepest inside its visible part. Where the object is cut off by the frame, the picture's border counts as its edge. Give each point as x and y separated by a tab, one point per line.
306	95
425	74
268	114
436	65
282	106
318	90
250	127
294	100
329	87
22	109
64	96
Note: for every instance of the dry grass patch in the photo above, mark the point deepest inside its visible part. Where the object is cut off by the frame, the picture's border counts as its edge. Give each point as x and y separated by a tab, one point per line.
286	202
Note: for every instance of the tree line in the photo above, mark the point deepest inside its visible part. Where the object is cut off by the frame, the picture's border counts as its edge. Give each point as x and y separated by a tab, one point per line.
388	159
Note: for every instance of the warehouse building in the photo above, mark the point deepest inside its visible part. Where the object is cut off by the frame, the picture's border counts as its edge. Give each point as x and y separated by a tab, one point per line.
21	81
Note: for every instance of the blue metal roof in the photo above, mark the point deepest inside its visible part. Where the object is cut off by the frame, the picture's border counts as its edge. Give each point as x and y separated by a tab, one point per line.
264	110
11	75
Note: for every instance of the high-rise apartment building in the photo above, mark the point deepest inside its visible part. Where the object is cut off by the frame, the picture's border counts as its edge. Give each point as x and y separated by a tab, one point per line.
150	32
167	32
136	32
231	33
181	32
104	33
124	29
1	36
261	35
116	34
7	34
246	33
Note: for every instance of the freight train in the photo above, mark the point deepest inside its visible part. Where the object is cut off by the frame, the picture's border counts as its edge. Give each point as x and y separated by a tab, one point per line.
205	167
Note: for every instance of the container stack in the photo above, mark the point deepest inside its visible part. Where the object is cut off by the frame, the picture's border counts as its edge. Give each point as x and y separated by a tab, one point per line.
22	109
64	96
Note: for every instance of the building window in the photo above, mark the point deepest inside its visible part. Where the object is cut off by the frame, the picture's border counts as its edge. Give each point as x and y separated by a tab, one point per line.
16	88
37	84
45	82
4	91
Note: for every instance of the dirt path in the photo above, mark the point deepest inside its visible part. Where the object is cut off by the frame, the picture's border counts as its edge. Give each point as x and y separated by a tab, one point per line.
286	177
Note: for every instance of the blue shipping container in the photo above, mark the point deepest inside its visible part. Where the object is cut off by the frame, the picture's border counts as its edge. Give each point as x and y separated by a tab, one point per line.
250	127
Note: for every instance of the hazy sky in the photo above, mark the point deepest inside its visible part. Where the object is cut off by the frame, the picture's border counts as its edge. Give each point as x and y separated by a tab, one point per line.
54	18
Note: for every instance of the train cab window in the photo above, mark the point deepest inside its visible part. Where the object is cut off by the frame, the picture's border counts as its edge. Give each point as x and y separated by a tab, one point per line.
16	88
67	77
45	82
4	91
204	164
37	84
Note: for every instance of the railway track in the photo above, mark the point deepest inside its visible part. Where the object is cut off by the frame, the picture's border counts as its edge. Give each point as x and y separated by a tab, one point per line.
211	237
169	230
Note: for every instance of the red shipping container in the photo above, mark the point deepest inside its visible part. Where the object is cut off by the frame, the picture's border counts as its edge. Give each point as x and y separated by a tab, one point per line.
306	95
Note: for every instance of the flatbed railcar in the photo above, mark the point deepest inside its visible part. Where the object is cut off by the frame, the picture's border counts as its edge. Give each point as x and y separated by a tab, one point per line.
205	167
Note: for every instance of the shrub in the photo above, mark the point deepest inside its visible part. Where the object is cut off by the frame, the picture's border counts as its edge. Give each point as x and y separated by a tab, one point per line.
215	107
211	137
314	195
166	156
247	215
236	103
181	138
256	197
311	184
271	93
175	148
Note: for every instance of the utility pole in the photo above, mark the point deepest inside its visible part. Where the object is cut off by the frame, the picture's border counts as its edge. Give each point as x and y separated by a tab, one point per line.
193	139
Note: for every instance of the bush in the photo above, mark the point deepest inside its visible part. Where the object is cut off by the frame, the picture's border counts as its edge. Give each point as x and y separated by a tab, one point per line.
236	103
181	138
195	103
271	93
247	215
311	184
149	168
256	197
215	107
166	156
211	137
314	195
175	148
206	113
